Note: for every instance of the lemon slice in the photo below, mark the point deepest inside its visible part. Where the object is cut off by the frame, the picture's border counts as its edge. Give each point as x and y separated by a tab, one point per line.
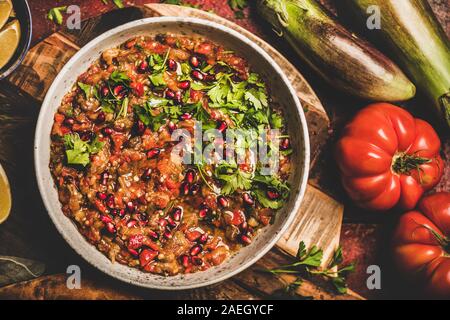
9	40
5	196
5	11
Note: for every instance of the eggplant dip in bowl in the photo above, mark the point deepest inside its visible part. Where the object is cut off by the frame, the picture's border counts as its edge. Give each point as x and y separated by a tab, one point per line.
178	151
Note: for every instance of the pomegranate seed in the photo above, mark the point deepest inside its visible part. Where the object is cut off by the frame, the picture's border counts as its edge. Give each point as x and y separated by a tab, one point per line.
195	250
167	234
130	206
101	195
203	239
110	201
154	235
107	131
176	213
146	176
162	222
197	75
68	122
184	189
133	252
111	228
244	225
104	91
143	66
101	117
143	216
171	222
184	85
178	97
136	241
248	199
245	239
194	61
170	94
197	261
222	126
121	212
185	260
285	144
147	256
190	176
106	219
222	201
86	136
195	188
104	178
119	91
172	65
115	212
153	153
140	127
172	126
203	213
272	194
131	223
186	116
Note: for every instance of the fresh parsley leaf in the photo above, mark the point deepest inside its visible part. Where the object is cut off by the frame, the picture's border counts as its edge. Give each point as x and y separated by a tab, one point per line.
87	89
232	178
119	77
265	202
337	258
79	151
55	14
313	258
276	121
157	79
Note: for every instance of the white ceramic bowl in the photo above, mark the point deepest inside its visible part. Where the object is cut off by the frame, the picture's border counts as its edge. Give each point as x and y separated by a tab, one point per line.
281	90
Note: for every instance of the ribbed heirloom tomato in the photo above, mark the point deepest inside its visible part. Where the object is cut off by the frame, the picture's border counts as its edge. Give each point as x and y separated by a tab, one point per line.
421	244
388	158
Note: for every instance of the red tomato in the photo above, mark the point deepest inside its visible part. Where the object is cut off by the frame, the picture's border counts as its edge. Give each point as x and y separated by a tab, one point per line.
388	158
422	244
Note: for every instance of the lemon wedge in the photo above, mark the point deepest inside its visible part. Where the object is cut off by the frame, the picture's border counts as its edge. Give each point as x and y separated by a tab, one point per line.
5	11
9	40
5	196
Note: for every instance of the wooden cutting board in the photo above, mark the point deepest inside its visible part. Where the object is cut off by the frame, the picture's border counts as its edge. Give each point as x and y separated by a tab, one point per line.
320	218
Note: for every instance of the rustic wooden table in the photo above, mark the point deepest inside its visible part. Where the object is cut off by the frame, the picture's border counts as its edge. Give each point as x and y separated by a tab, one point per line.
364	237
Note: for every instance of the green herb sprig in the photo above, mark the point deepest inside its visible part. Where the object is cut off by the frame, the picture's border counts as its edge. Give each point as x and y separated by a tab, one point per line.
308	263
79	151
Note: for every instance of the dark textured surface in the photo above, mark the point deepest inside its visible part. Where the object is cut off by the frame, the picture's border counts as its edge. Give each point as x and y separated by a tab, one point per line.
364	236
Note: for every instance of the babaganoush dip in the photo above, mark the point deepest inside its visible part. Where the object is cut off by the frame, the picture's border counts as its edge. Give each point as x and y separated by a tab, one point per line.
119	179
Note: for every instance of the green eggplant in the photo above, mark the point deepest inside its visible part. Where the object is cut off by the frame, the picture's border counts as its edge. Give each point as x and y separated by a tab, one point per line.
340	57
416	41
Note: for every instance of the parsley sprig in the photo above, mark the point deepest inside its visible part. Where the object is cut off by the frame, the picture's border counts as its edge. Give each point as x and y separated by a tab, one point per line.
79	151
55	14
308	263
233	178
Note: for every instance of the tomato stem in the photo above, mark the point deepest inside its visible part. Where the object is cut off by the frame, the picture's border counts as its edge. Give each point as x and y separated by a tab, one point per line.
403	163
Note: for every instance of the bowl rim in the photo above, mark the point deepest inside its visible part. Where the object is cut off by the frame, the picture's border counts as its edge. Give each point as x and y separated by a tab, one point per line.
26	47
43	187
